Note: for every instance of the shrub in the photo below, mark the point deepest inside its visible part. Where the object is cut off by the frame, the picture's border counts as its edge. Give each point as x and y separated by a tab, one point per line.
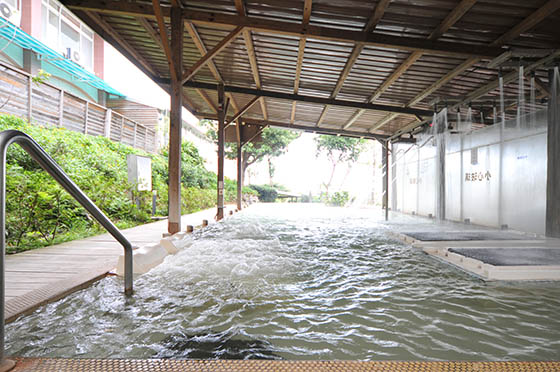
266	193
338	199
40	212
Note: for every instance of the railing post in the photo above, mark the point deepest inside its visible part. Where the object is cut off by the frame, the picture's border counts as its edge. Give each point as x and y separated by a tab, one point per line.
36	152
135	132
5	364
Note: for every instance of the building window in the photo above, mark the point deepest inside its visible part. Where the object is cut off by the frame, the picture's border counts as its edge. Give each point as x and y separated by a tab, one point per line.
65	33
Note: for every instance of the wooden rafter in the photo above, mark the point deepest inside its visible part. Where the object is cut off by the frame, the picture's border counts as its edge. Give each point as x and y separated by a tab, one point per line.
151	31
453	16
375	39
487	88
197	40
105	30
164	37
307	7
321	130
248	38
207	99
356	51
526	24
311	99
245	108
156	38
211	54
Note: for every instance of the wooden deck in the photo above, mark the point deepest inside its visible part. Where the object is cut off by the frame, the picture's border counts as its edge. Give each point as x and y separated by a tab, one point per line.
47	274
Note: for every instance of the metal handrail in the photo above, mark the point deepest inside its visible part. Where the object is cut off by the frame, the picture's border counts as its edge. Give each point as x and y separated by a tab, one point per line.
8	137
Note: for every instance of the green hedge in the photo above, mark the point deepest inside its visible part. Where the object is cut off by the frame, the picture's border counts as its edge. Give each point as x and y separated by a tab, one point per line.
267	194
40	212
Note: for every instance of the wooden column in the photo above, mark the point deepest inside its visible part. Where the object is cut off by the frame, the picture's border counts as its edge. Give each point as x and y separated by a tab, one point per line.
385	161
175	122
221	135
239	176
553	155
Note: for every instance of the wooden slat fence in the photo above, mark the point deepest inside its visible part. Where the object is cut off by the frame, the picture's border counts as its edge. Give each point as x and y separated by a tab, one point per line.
47	105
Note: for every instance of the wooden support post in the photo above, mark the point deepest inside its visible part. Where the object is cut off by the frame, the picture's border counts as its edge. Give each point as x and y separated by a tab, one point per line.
221	135
553	154
393	180
239	176
107	129
385	162
175	122
29	98
61	108
86	112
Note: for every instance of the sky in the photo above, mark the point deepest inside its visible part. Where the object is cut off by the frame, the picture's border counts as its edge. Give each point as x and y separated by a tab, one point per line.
125	77
300	170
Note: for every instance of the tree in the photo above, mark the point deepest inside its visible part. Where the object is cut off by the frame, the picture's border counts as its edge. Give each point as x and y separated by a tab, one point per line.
274	143
338	150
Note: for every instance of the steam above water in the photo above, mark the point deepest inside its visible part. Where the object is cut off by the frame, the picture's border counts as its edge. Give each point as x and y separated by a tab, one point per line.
299	282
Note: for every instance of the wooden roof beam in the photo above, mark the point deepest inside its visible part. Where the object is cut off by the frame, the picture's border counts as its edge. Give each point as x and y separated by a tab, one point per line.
164	37
207	99
293	29
322	130
197	40
307	6
378	13
240	6
245	108
512	76
105	30
529	22
456	14
211	54
310	99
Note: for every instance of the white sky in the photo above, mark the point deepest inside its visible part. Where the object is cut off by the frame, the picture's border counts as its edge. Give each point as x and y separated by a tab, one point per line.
122	75
299	169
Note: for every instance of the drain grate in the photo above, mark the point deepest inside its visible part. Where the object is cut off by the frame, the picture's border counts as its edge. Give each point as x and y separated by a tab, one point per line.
93	365
512	256
437	236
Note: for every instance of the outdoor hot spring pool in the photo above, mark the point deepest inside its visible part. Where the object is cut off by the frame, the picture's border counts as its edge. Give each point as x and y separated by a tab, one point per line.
299	282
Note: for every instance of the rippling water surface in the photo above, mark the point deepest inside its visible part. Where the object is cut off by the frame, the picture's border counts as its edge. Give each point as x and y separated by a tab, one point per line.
299	282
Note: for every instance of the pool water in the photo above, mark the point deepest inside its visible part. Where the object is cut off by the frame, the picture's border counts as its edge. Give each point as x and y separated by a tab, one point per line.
299	281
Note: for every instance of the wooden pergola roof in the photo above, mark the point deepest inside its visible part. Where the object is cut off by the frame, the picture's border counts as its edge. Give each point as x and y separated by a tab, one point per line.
360	68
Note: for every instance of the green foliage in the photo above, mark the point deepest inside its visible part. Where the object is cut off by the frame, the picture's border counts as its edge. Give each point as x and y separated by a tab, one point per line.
40	212
338	199
193	172
338	148
267	194
41	77
274	143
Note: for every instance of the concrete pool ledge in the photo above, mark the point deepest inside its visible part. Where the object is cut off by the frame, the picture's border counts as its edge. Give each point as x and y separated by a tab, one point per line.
491	272
489	254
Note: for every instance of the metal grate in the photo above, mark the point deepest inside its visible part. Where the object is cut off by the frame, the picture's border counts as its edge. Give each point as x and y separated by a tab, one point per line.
90	365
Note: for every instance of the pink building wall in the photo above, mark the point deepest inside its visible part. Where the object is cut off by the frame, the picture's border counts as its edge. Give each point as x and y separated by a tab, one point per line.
31	17
31	22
